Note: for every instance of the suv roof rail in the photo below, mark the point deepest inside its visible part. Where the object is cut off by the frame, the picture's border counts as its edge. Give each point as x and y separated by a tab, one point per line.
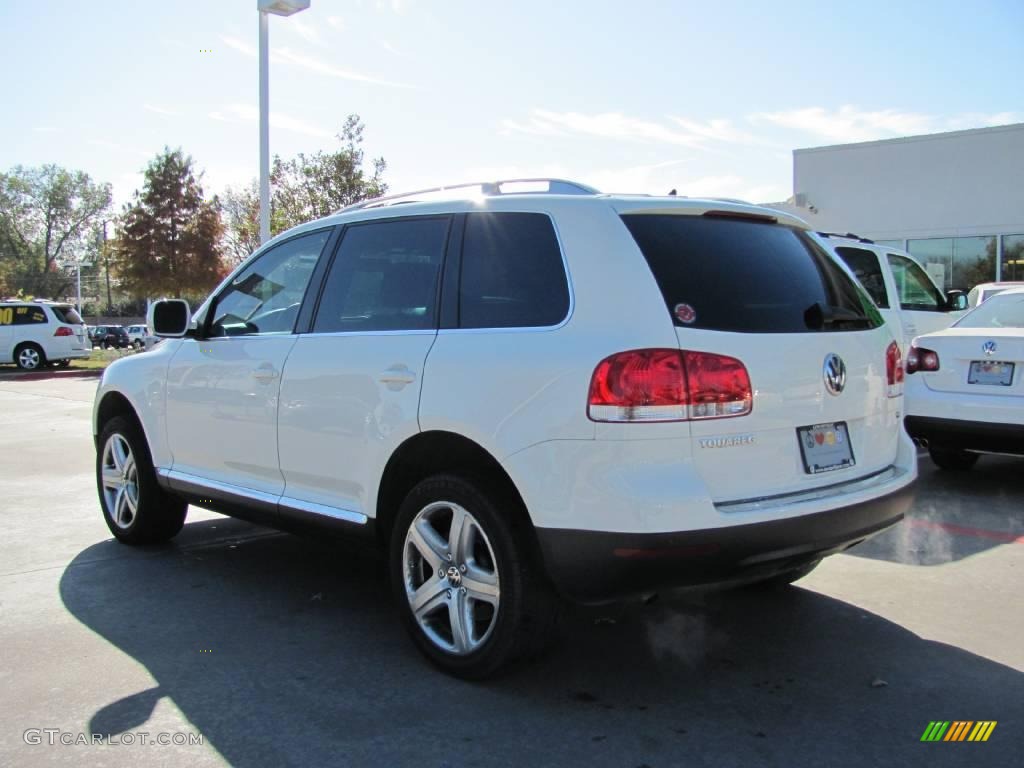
555	187
848	236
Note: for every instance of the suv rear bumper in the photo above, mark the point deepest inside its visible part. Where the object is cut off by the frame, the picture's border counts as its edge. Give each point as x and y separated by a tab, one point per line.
968	435
594	567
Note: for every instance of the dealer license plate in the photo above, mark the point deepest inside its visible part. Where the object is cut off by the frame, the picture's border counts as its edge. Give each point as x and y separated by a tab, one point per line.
825	447
990	372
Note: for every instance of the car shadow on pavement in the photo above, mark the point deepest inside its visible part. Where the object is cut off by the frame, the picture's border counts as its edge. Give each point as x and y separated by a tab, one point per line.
282	651
956	515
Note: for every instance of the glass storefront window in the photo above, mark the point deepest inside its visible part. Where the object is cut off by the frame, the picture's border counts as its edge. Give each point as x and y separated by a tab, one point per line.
1013	257
957	262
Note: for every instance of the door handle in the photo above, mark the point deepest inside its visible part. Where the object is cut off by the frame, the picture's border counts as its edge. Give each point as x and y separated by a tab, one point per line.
266	372
397	376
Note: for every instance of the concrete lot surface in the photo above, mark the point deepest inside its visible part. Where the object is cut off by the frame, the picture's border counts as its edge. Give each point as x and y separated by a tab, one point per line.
282	651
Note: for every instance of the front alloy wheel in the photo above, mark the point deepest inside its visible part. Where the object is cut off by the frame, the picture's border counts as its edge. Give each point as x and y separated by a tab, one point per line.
451	578
136	509
120	481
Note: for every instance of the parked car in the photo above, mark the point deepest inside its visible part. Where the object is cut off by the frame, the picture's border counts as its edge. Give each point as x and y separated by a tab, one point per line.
110	337
904	292
520	398
36	333
968	384
983	291
139	336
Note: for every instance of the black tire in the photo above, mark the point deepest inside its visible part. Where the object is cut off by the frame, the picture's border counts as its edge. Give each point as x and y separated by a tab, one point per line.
528	609
60	363
31	362
158	516
952	459
785	578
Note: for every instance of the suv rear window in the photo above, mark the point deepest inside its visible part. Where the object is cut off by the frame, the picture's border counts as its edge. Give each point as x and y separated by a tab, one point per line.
730	274
864	264
67	315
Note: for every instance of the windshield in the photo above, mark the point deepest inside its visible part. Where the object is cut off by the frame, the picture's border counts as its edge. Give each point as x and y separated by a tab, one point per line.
1003	311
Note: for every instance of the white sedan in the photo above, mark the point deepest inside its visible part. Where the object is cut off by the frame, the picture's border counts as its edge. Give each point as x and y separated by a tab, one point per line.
965	385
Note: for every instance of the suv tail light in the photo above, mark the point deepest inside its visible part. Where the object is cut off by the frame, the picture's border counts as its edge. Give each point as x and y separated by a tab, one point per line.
668	385
921	359
63	330
894	370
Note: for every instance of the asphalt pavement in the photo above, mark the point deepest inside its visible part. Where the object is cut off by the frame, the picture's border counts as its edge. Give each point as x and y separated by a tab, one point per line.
276	650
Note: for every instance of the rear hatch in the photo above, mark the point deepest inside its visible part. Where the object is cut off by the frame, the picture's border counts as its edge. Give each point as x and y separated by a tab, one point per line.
68	315
983	354
768	296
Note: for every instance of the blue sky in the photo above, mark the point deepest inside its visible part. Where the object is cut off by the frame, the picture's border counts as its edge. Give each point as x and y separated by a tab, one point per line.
709	98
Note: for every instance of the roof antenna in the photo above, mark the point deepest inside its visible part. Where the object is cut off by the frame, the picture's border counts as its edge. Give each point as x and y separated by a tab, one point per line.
672	192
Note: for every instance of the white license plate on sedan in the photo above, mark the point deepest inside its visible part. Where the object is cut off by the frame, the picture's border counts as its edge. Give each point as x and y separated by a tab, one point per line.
990	372
825	447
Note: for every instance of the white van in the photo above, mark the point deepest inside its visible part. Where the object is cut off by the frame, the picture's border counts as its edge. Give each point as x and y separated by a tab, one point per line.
33	333
909	300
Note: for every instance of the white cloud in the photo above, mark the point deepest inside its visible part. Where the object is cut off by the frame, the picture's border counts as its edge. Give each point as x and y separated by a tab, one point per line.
323	68
160	110
687	132
288	56
307	32
238	45
336	21
606	125
390	48
247	113
851	124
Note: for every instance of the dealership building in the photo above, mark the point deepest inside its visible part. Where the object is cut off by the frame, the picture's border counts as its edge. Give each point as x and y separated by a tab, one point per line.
953	200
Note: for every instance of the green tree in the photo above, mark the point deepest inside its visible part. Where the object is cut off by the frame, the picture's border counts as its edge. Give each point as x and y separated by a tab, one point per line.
169	238
46	217
304	188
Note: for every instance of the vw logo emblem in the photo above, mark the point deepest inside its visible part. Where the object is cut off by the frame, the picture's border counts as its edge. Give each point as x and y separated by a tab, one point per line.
989	348
835	373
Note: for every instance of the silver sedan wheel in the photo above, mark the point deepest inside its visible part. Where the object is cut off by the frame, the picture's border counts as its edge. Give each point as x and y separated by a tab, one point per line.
451	578
29	358
120	481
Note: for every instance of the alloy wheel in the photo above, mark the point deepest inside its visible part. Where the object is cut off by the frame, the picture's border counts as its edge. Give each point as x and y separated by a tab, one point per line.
29	358
120	481
451	578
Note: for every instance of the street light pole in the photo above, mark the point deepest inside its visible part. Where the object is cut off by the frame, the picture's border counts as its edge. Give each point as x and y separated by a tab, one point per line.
280	8
264	130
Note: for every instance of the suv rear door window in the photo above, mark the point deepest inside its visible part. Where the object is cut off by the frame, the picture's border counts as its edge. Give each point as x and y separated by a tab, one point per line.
384	277
864	264
512	275
731	274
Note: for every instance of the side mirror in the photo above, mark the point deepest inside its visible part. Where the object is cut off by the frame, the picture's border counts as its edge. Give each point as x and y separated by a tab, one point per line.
956	301
169	318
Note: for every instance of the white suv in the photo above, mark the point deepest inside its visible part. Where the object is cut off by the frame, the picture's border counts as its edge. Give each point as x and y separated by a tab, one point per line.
523	395
34	333
905	293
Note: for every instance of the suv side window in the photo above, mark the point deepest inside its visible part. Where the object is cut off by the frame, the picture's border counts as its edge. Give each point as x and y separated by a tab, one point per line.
865	266
915	289
384	277
512	273
23	316
265	297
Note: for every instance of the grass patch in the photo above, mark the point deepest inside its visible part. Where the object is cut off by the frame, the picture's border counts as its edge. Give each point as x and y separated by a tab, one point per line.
99	359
